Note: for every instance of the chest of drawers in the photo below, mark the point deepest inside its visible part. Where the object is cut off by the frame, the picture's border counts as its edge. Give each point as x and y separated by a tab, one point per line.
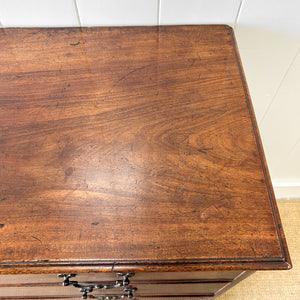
131	165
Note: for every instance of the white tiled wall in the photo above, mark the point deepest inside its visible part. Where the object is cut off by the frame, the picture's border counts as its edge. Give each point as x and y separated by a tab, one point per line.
198	11
30	13
268	36
117	12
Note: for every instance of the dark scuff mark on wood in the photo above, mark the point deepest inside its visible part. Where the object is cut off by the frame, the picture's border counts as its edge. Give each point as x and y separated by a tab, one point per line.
113	266
204	150
75	44
36	239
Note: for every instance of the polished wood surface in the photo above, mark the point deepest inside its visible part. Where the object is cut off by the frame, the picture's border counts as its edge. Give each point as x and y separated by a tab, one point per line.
131	148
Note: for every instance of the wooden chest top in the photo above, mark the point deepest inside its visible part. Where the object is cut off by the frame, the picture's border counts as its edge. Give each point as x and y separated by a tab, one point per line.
131	148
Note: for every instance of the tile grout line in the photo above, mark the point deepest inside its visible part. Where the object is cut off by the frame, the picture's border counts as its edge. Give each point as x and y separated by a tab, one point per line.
273	99
294	146
77	13
158	12
238	13
278	88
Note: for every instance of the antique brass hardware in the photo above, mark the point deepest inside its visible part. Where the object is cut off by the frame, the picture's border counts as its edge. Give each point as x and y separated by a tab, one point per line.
88	288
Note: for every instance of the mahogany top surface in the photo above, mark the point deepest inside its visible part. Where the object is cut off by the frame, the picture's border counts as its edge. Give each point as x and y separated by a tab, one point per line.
134	146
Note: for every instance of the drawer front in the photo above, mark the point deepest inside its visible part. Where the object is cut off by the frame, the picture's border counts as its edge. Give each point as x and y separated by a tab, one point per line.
143	290
147	284
98	277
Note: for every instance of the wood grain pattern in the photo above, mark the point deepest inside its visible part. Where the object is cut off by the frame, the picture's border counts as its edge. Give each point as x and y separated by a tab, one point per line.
131	149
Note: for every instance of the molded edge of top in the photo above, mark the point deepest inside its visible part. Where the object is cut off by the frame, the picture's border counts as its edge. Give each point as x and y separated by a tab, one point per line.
140	266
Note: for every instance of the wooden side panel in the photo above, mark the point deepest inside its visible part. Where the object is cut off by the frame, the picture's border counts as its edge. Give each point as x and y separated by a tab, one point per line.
238	279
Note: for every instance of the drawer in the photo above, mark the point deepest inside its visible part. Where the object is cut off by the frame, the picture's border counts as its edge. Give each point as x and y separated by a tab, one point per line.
24	279
143	290
148	284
